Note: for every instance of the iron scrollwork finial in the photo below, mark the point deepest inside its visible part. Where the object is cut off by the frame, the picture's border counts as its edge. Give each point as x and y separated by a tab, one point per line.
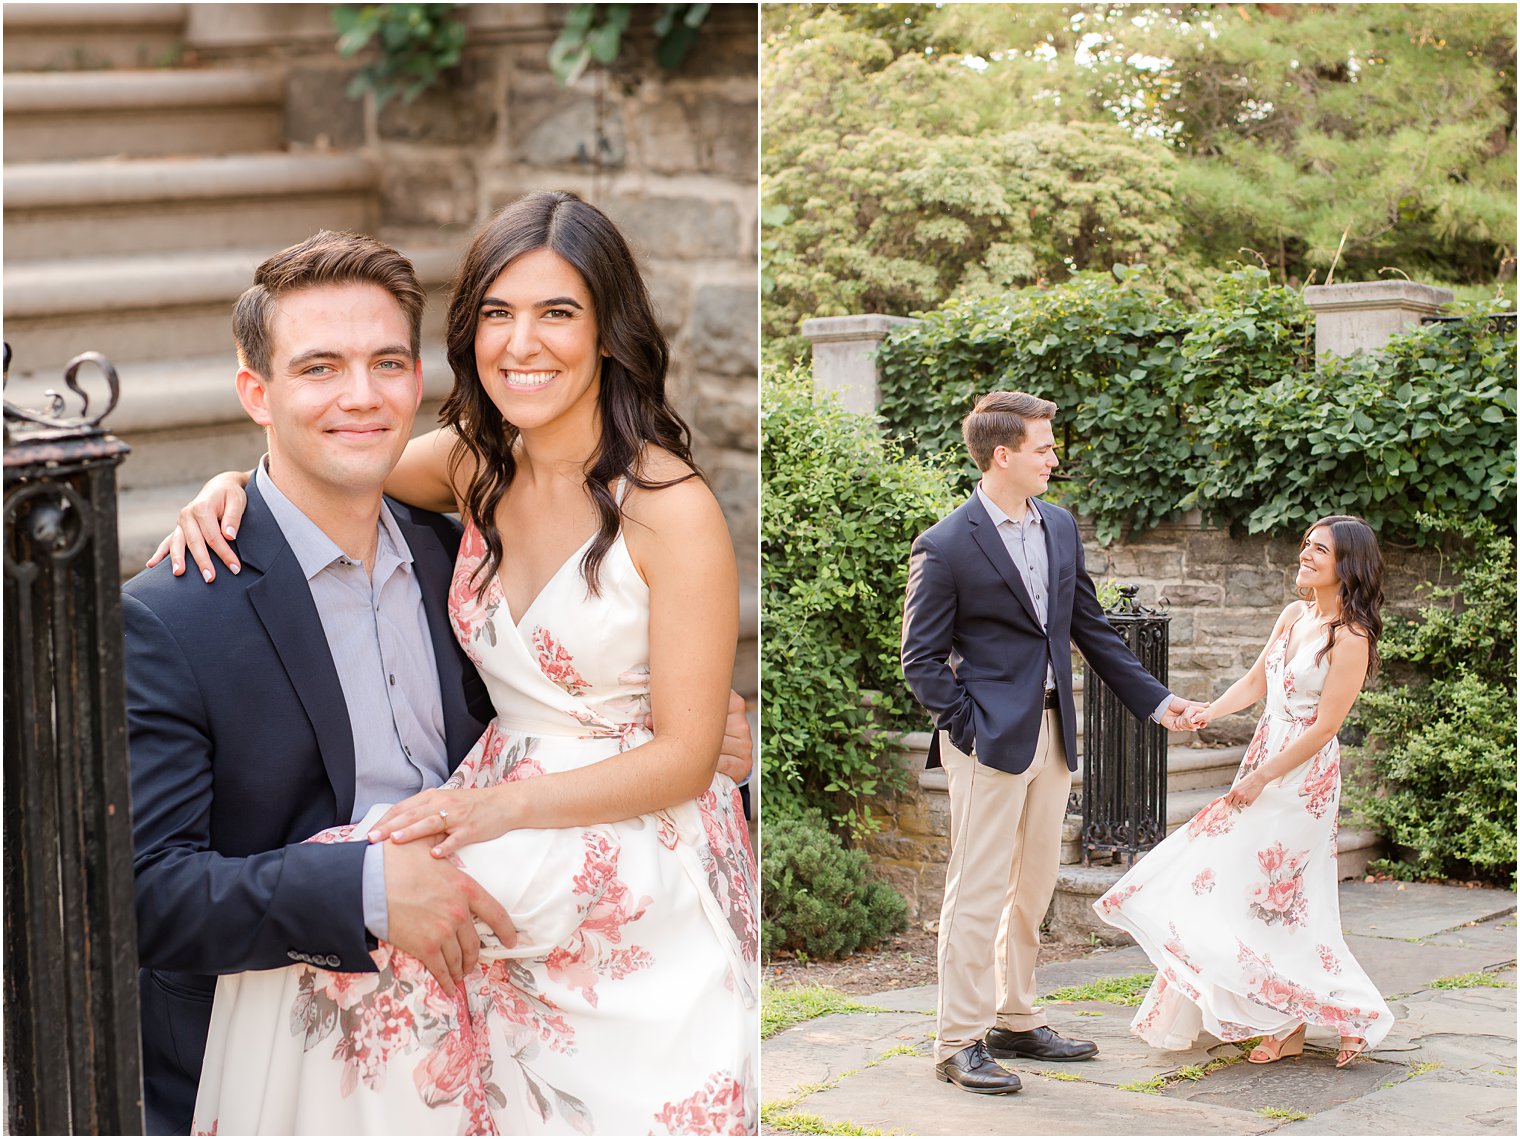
53	417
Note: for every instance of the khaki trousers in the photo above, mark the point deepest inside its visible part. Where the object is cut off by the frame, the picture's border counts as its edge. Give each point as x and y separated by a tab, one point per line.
1005	850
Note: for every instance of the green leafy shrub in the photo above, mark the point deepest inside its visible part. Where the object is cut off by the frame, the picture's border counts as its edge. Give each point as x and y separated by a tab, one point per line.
416	45
839	511
1439	776
818	897
1220	407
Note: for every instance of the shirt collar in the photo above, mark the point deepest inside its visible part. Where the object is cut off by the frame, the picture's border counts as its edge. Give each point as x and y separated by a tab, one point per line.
995	512
313	549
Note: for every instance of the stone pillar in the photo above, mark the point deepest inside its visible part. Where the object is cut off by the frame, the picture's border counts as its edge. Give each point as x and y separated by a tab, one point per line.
1361	317
843	355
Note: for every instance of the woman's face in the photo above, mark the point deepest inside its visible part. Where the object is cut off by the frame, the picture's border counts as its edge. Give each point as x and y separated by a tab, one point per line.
1316	561
536	346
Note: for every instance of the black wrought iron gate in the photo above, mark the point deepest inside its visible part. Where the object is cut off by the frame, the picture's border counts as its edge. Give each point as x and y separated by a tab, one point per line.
72	1057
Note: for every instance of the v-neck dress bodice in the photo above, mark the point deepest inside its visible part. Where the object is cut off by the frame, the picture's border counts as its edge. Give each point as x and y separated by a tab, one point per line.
1239	909
629	1004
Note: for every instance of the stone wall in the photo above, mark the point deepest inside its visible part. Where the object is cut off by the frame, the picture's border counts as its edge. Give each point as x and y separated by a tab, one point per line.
1224	593
671	157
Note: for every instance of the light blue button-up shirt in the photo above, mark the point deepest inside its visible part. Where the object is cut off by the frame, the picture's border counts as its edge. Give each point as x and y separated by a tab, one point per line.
377	630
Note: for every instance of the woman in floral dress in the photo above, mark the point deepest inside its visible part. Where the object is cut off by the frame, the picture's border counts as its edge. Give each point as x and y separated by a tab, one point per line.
1239	910
628	1003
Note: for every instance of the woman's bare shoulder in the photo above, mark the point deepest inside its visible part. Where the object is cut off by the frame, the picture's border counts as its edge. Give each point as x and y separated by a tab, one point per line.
679	500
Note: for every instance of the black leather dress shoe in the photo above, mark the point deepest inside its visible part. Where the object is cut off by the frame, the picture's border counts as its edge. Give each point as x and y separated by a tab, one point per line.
972	1070
1043	1043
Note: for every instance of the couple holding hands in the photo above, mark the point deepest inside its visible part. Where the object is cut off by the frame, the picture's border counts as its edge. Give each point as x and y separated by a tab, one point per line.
1238	909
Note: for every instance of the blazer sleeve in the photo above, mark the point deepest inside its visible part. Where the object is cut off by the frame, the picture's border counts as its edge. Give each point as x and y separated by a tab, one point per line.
928	632
199	911
1106	651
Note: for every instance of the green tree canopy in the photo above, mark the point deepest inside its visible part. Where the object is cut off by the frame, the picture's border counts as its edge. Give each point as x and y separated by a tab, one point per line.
914	153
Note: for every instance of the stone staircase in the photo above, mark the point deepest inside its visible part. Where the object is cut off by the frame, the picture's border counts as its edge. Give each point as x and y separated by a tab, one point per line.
139	197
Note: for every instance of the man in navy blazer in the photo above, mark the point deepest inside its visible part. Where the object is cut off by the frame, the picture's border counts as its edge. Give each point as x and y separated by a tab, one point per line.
243	721
997	594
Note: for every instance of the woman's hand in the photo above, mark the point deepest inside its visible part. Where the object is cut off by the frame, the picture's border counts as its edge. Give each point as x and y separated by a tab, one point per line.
210	519
1246	792
1200	716
457	817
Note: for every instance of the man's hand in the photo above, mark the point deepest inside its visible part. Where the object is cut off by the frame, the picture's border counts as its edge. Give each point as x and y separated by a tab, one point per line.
738	757
432	907
1180	715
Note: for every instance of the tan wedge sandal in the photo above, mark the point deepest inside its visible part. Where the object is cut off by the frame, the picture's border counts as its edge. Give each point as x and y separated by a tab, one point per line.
1350	1051
1274	1048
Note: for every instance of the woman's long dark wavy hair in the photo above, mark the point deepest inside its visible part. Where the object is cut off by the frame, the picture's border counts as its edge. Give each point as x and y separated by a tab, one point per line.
1359	565
634	410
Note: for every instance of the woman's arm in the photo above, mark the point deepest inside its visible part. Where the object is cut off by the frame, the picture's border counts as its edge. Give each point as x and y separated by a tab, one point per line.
1348	671
1253	685
681	547
421	478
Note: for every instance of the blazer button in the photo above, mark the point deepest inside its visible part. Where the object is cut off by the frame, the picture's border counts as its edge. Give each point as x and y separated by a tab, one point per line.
293	955
332	961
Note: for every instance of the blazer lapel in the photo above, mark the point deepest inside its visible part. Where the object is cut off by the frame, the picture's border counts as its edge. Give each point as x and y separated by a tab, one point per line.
985	535
435	570
282	600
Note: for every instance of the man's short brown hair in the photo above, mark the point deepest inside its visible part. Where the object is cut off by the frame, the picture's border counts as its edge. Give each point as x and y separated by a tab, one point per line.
1000	419
325	258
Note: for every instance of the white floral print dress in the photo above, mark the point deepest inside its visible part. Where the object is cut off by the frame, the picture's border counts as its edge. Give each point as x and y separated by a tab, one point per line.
628	1005
1238	910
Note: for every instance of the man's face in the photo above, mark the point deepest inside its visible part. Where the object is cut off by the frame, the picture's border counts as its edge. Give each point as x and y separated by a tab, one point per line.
1028	469
342	392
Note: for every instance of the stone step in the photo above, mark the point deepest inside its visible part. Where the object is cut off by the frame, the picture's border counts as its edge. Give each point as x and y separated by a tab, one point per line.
54	37
149	308
116	207
65	116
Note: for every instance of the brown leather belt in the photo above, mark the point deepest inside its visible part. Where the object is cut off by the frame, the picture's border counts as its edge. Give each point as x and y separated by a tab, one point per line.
1051	699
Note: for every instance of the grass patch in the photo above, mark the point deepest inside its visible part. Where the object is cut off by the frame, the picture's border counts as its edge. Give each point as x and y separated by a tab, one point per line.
1472	981
896	1050
1069	1077
1192	1072
1087	1012
1286	1114
1111	990
1151	1086
782	1008
1426	1066
802	1123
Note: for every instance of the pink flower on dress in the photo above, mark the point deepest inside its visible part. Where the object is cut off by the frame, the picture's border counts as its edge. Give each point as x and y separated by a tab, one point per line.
347	989
1322	783
555	662
1112	900
1328	959
1203	882
1215	819
716	1109
1281	899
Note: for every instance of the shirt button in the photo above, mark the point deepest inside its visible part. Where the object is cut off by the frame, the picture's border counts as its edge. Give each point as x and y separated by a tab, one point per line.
407	750
393	680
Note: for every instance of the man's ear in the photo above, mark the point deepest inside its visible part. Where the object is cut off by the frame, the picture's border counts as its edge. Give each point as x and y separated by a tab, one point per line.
417	372
253	394
1000	455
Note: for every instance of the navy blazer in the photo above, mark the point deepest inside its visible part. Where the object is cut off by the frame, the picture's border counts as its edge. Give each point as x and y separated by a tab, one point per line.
973	651
240	748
